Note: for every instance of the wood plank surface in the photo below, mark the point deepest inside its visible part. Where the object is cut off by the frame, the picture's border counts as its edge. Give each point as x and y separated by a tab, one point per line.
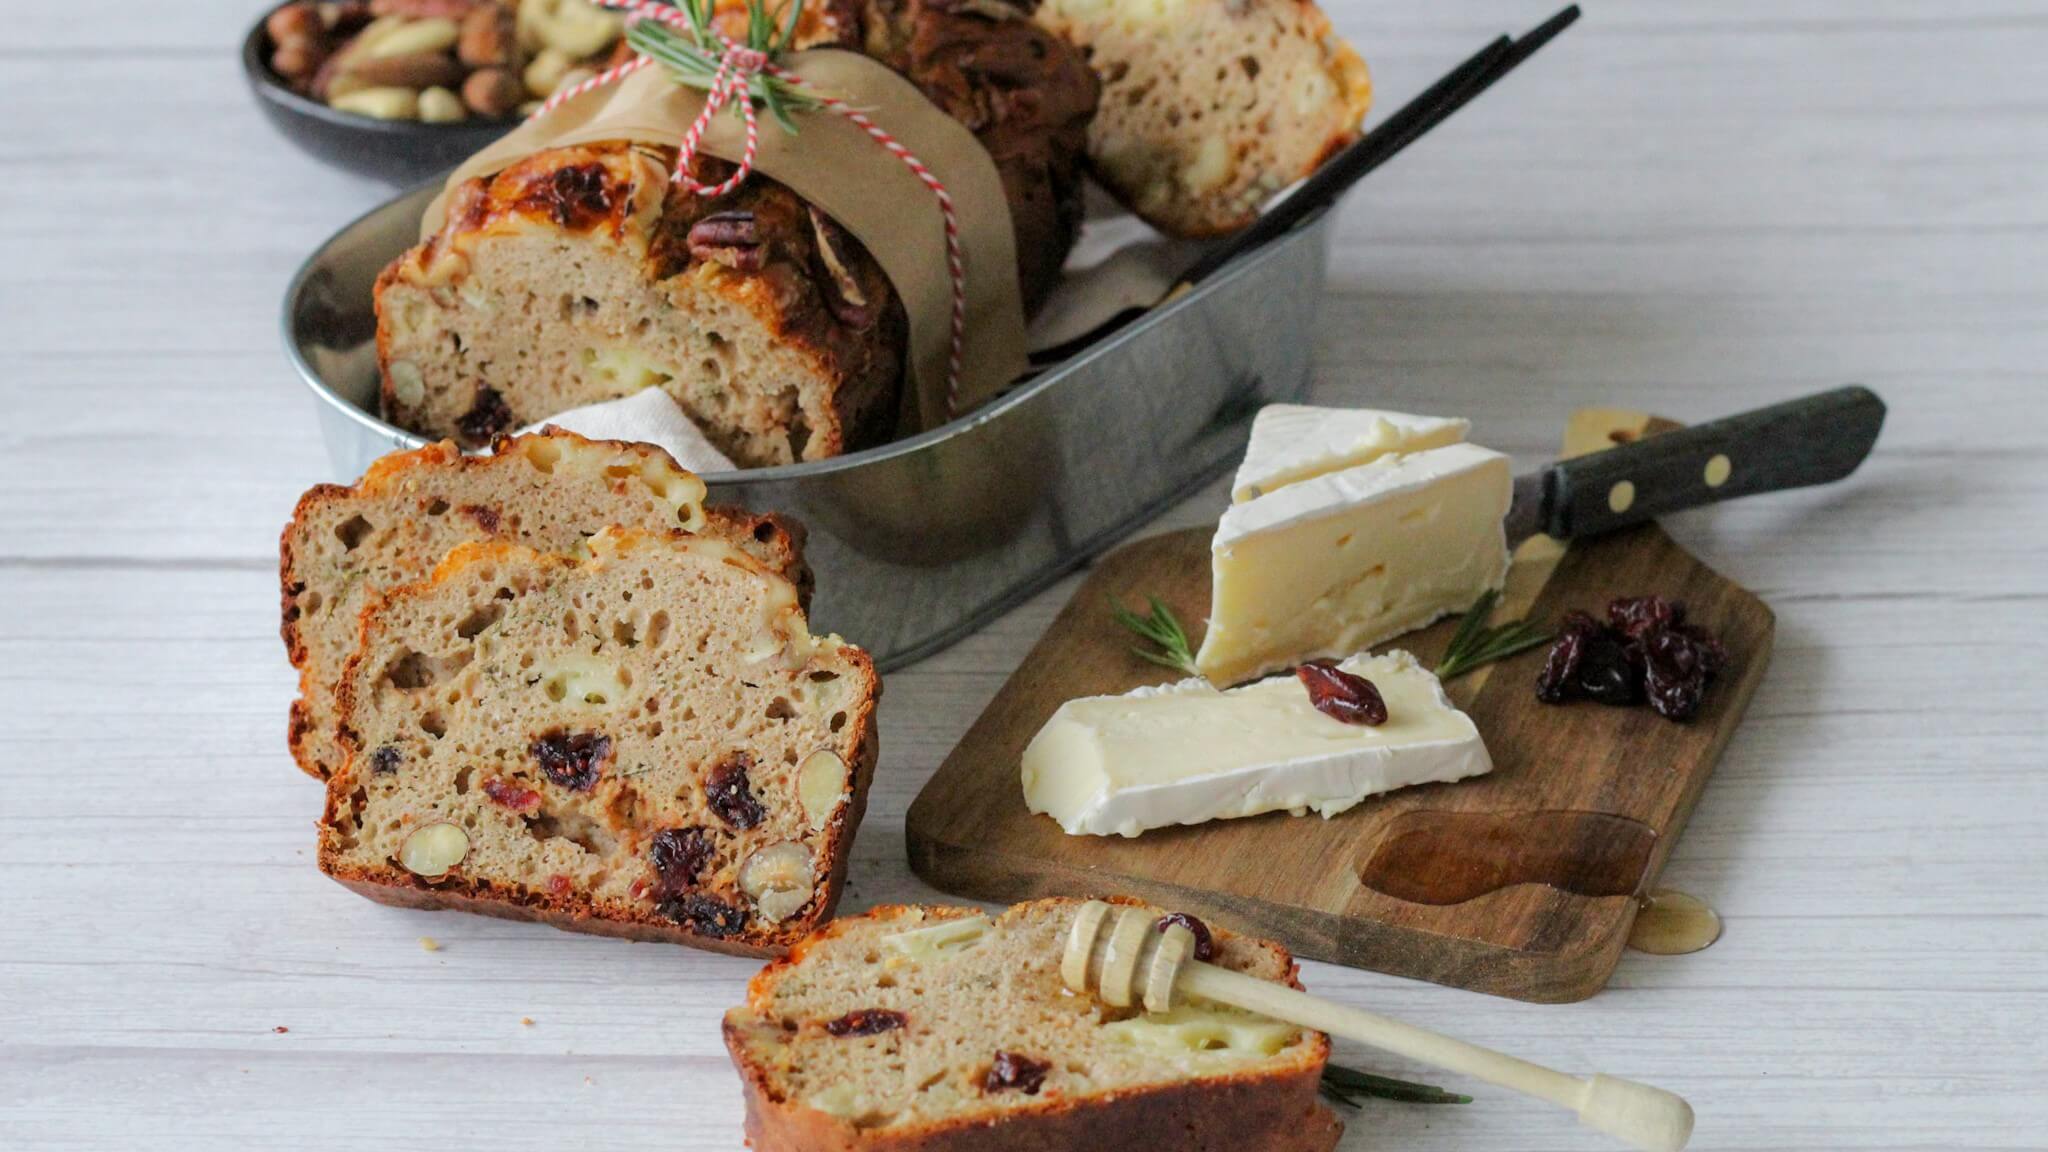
1695	208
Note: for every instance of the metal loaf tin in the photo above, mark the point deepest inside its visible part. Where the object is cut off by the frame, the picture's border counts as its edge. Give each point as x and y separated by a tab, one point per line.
919	542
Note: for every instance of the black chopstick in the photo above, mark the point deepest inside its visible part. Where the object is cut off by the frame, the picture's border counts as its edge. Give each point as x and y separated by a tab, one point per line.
1414	120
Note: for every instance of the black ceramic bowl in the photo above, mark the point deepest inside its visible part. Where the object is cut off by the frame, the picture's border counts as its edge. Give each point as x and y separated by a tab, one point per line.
403	152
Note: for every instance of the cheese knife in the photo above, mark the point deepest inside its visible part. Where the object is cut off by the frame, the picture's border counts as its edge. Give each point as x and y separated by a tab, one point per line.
1816	439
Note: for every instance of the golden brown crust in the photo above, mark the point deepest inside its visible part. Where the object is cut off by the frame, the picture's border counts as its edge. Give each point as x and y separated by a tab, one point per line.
570	910
1249	1111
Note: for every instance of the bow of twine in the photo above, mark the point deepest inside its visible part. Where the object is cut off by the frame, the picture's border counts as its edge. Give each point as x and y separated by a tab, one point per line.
739	74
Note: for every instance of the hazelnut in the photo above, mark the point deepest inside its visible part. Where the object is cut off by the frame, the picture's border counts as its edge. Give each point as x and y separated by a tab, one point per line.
295	22
820	785
298	59
492	92
488	39
779	879
432	851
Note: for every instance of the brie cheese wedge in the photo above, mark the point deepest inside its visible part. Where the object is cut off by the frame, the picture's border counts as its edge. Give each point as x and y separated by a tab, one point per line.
1189	752
1337	563
1291	443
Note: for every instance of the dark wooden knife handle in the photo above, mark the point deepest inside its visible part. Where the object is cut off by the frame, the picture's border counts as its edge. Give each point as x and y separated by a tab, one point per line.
1812	440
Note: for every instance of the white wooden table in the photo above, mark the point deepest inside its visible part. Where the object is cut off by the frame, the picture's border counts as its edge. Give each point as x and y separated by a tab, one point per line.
1687	207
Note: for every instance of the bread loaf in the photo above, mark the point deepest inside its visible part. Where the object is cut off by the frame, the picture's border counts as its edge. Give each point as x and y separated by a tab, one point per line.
577	275
645	742
942	1030
549	491
1209	107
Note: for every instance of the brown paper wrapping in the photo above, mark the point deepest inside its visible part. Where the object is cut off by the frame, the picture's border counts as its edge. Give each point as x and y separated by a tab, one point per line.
835	165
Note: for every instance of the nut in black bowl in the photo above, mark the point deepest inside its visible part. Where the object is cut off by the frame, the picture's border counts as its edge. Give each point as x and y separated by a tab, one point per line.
400	149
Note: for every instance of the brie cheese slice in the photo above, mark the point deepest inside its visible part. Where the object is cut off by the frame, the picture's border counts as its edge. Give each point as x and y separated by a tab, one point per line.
1291	443
1189	752
1335	564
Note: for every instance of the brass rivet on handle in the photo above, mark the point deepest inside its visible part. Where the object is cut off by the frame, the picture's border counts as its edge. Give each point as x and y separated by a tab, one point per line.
1718	469
1621	497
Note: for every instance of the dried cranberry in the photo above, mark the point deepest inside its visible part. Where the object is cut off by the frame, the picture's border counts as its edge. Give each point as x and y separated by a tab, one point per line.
574	762
866	1022
726	791
511	795
1341	695
1607	673
1205	944
576	196
1010	1071
486	418
1559	680
1675	675
704	915
1633	616
1713	654
384	761
679	858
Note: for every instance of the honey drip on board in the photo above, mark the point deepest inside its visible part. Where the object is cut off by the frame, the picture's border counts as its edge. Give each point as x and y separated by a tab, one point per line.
1673	924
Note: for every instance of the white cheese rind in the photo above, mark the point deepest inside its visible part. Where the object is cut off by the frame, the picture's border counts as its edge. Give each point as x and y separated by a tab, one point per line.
1188	753
1333	565
1291	443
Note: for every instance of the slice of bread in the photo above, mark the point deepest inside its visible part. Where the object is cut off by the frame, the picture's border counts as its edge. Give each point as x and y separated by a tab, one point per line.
644	742
940	1030
1209	107
547	491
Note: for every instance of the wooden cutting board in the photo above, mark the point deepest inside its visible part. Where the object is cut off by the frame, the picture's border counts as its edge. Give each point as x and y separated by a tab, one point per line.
1521	883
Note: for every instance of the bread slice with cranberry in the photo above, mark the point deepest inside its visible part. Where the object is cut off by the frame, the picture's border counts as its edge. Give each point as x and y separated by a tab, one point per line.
1209	107
645	741
945	1030
547	491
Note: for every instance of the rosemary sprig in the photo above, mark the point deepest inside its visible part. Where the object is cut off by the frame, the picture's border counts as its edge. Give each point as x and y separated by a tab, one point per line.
693	59
1347	1086
1475	643
1162	628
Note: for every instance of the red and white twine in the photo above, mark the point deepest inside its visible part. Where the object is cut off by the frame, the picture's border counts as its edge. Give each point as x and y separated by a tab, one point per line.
738	64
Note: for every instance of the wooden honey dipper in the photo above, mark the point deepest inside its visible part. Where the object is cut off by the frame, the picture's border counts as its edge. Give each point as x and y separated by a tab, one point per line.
1127	956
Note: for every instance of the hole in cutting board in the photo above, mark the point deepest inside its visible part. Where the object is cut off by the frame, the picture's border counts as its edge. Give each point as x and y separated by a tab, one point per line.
1441	858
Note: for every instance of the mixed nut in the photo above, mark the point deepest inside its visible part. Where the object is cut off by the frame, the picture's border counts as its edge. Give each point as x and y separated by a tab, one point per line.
438	61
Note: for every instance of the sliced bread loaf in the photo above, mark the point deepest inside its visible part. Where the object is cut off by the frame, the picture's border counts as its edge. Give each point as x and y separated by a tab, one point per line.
1209	107
643	742
547	491
942	1030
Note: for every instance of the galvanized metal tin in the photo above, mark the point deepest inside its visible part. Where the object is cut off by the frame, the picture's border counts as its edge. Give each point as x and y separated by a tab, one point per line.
919	542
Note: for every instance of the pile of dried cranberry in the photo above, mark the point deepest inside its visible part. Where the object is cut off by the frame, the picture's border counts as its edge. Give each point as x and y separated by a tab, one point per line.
1644	651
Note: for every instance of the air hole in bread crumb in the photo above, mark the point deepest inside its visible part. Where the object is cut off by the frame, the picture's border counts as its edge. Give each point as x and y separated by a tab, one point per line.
824	676
623	635
479	618
572	625
437	506
416	670
352	531
434	724
462	779
781	710
838	721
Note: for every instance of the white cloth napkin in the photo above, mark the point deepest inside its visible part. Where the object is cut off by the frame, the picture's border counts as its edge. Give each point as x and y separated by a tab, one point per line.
648	416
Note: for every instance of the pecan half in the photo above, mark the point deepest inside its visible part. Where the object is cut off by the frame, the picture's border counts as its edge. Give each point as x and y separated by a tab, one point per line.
843	293
731	238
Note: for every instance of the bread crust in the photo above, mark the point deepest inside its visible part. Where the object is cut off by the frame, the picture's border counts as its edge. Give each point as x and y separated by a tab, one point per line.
1249	1111
771	537
760	341
572	911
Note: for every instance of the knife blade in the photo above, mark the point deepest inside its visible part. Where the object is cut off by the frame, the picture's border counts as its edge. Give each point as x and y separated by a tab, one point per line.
1813	440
